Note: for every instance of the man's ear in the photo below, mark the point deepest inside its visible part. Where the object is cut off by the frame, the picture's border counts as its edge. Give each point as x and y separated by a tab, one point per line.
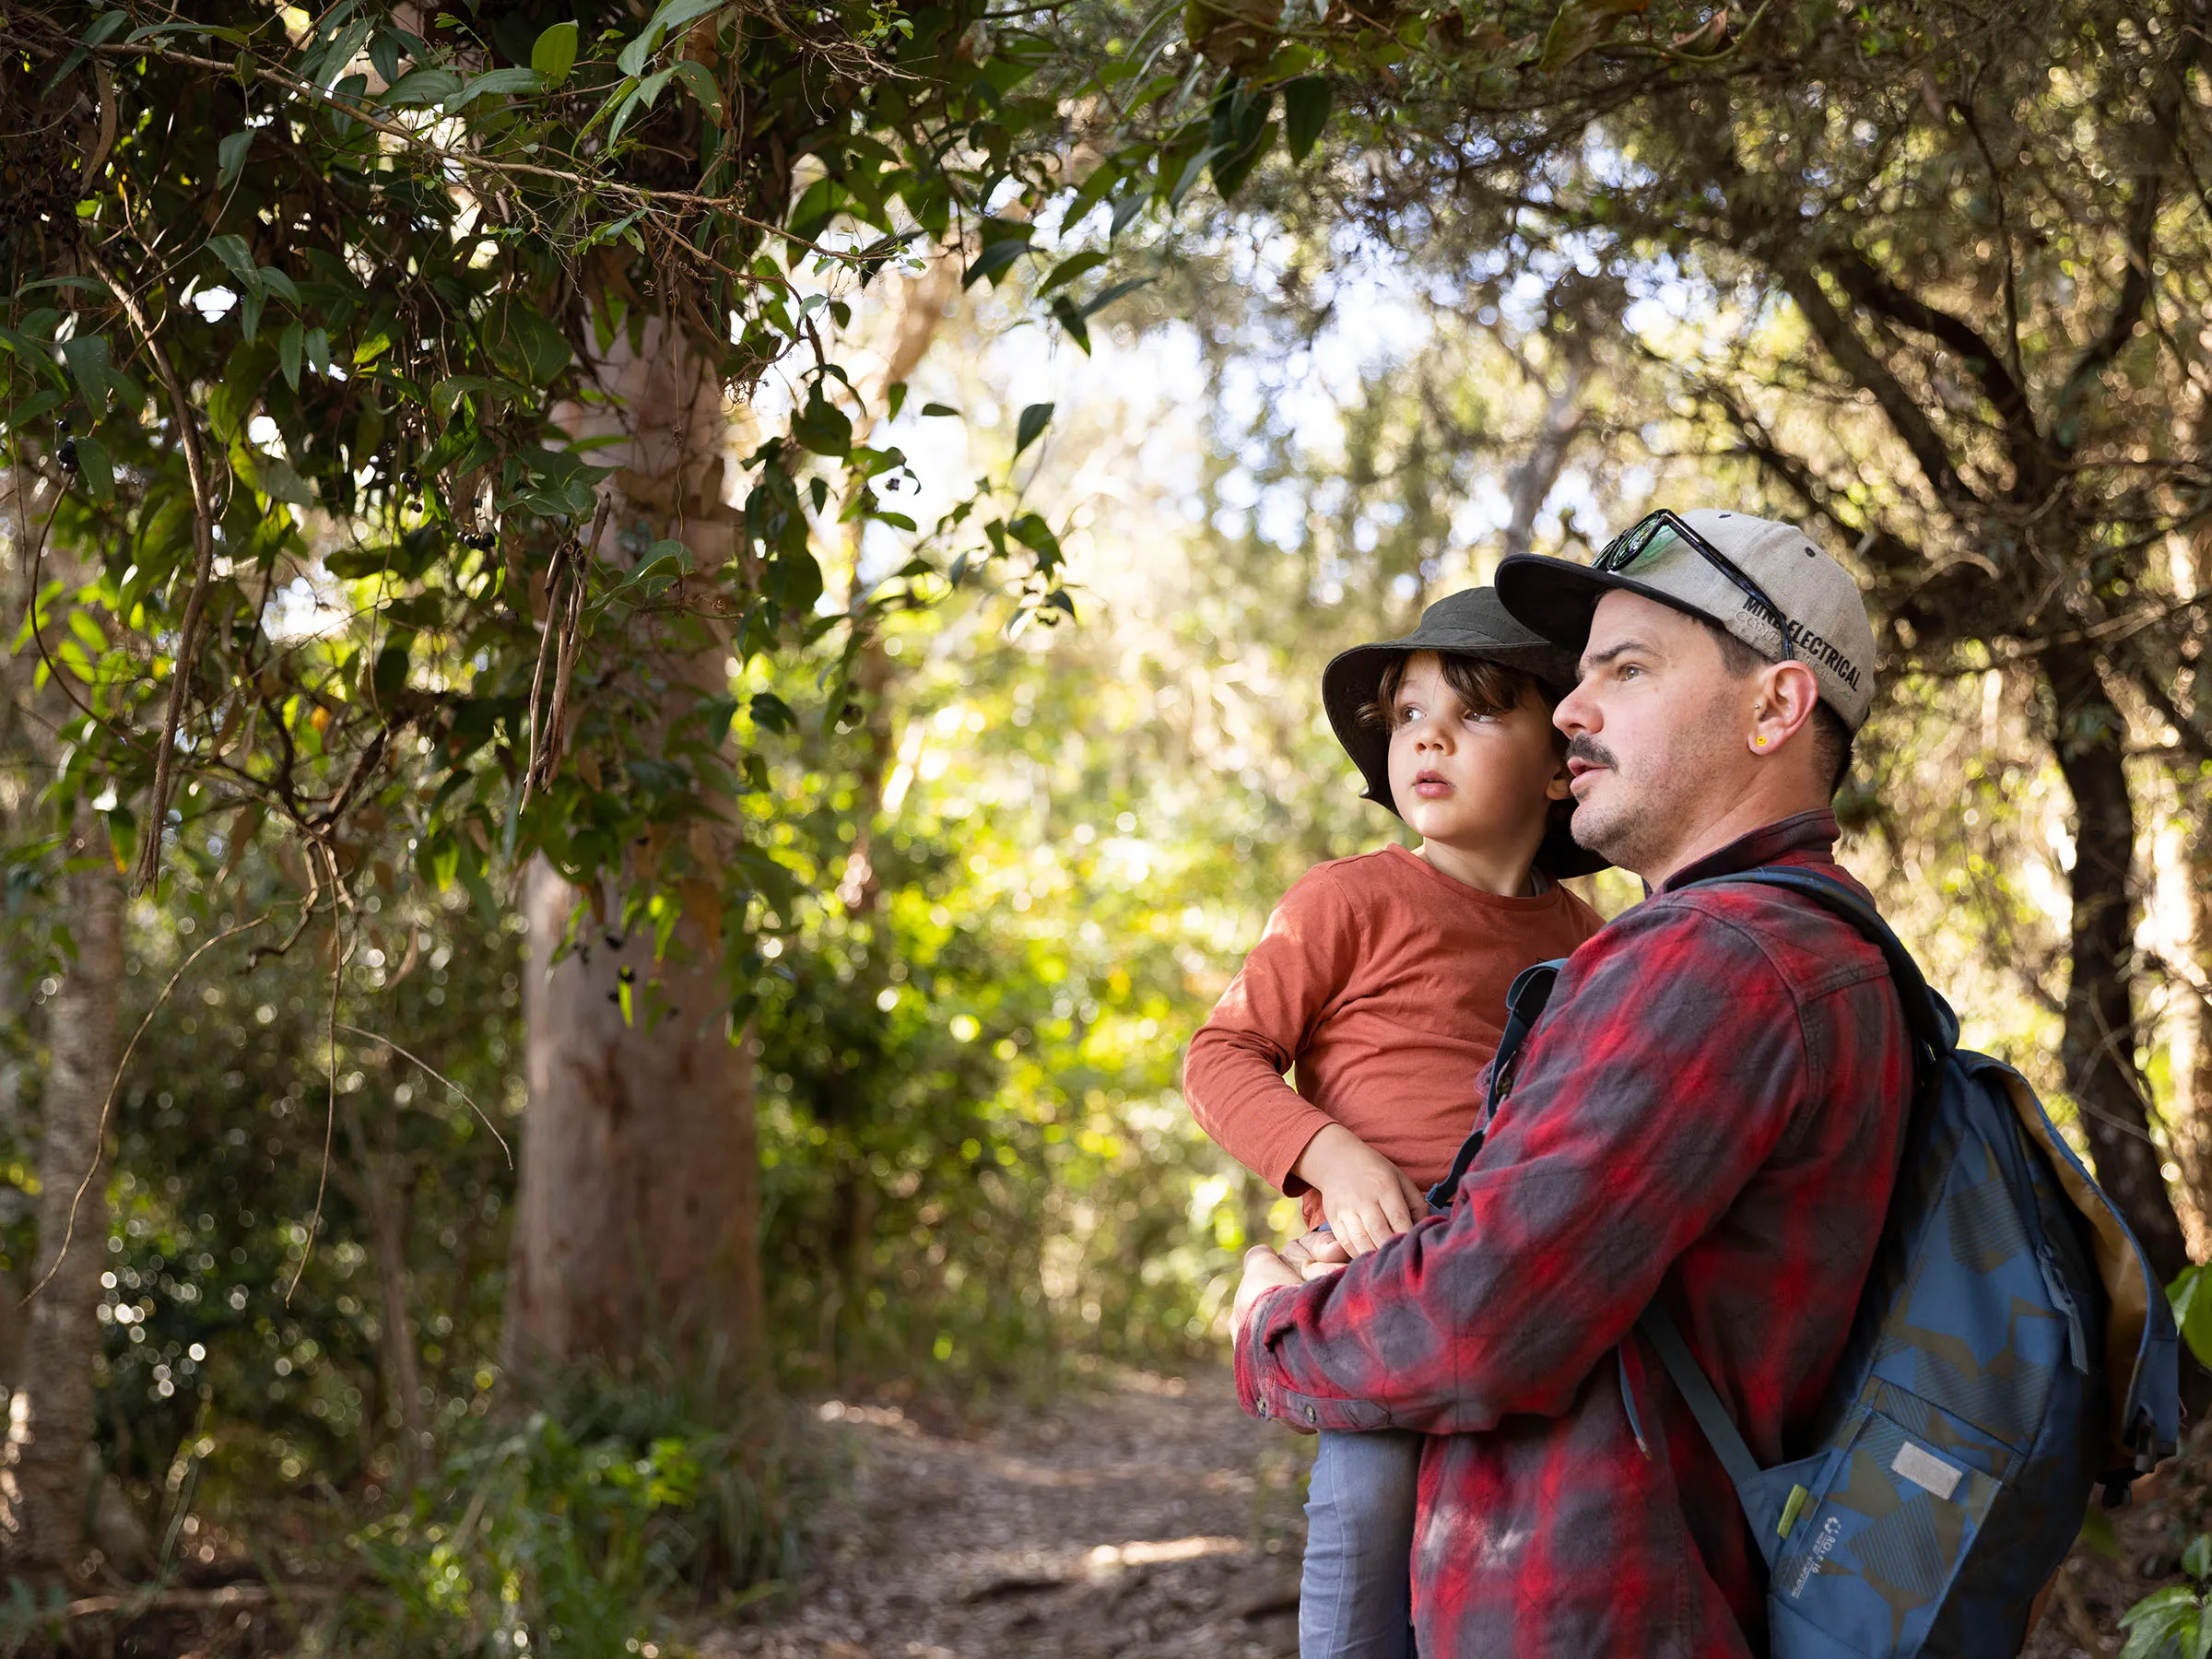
1787	693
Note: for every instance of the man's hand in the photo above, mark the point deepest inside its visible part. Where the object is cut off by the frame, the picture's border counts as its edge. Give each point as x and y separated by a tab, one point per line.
1366	1197
1318	1254
1264	1271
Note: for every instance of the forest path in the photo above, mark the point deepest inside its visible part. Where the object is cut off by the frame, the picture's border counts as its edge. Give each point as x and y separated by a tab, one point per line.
1147	1519
1150	1519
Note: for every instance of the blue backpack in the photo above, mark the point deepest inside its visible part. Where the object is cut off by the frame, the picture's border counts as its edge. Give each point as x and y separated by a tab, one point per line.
2010	1349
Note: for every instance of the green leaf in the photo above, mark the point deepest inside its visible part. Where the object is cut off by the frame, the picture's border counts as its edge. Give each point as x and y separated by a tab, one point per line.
699	82
21	414
95	471
555	53
668	561
822	426
526	344
2196	1561
1305	112
641	98
1067	270
938	409
1583	26
1068	317
1032	425
2191	1294
274	476
390	676
1106	296
502	82
422	87
290	345
235	254
86	356
279	284
230	156
994	257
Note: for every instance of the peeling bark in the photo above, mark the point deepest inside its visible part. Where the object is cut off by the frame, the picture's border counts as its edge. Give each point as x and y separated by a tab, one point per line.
43	1490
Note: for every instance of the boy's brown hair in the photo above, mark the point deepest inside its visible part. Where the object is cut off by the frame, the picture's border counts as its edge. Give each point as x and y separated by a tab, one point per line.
1486	687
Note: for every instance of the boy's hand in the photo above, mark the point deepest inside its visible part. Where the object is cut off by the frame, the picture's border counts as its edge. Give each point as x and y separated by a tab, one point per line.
1316	1255
1366	1197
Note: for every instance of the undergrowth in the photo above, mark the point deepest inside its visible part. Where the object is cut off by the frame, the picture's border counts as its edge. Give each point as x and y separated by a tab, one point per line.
622	1503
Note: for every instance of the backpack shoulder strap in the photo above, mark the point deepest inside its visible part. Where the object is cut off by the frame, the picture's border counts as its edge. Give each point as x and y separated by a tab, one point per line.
1699	1393
1935	1032
1524	1003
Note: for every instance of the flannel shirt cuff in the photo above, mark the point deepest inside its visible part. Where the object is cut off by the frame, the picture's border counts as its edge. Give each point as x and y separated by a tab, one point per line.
1262	1392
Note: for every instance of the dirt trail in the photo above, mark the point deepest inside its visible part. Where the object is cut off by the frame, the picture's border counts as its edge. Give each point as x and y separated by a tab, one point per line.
1152	1520
1148	1520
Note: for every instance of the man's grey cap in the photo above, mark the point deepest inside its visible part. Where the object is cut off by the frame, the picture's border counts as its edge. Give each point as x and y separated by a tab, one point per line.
1474	624
1828	628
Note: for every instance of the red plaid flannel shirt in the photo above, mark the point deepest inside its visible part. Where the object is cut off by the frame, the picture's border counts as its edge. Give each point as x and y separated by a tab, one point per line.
1708	1114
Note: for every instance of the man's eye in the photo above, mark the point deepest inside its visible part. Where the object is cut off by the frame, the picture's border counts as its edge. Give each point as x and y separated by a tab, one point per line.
1629	671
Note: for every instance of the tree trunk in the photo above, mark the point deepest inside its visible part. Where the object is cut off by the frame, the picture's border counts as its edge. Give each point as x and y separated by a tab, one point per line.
2099	1051
641	1179
639	1186
2192	1052
50	1424
1529	484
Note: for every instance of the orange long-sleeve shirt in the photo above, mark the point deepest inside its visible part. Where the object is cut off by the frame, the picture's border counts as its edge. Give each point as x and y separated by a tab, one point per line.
1382	981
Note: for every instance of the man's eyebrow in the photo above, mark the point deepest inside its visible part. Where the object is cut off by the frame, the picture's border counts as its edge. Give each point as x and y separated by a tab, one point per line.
1598	659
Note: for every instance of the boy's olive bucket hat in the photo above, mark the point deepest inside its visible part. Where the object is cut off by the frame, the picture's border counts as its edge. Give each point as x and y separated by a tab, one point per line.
1474	623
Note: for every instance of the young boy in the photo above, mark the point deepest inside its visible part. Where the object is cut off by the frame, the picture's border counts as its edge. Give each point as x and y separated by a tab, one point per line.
1381	979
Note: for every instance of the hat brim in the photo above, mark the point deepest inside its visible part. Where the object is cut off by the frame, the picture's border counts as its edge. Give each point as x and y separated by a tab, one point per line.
1350	685
1556	596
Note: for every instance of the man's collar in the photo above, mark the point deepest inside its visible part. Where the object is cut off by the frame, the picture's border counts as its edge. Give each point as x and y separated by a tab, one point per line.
1812	832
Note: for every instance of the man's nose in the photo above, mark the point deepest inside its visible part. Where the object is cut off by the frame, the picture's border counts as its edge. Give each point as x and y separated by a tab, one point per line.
1575	712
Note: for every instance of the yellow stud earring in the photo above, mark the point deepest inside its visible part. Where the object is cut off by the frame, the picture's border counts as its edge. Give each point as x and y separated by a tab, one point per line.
1761	741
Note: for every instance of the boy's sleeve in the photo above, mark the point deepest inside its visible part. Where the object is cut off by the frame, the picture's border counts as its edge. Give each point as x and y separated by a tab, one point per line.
1234	1074
1625	1137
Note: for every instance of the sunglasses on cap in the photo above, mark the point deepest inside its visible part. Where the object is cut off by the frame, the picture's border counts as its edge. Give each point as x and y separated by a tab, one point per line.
1652	537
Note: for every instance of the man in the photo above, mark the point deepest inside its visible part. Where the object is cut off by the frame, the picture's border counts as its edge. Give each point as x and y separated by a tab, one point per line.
1707	1114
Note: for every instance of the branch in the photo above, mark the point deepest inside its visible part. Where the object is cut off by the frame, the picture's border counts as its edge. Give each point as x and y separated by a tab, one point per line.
637	195
1857	276
419	1060
107	1106
2193	742
1885	551
1852	356
196	606
2135	288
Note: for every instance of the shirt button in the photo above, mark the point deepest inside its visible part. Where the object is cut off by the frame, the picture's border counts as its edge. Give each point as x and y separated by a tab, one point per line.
1312	1416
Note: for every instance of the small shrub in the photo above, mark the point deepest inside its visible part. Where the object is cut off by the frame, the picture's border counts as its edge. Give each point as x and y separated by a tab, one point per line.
2175	1622
576	1530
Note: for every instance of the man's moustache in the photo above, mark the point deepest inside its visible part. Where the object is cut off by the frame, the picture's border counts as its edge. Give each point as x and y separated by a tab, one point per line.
1590	750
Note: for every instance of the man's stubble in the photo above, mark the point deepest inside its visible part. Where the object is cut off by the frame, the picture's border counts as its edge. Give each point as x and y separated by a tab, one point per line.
1651	805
